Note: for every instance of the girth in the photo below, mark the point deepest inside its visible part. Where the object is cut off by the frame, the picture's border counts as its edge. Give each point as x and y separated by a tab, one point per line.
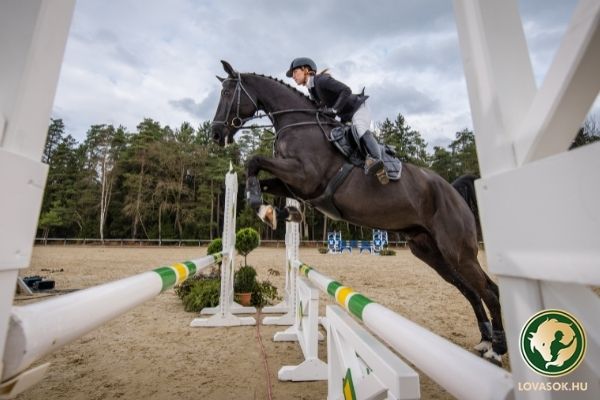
324	202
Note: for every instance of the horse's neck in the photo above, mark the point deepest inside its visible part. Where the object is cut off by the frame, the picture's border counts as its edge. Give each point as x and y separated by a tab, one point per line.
276	98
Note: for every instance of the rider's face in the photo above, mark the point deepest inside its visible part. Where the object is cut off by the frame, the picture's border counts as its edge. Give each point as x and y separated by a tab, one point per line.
299	75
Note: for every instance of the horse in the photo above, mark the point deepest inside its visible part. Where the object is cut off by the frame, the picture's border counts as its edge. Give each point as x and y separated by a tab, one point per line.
435	220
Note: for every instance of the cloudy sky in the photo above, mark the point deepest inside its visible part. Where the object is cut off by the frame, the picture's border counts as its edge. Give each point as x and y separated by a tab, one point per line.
132	59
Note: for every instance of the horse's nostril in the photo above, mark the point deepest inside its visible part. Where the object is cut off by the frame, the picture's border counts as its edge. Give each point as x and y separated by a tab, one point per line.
216	136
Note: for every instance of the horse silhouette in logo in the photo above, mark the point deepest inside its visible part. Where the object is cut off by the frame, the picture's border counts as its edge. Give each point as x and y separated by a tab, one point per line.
555	341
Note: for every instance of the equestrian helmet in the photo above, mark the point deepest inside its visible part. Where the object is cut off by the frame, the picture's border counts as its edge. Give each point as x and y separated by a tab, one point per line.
301	62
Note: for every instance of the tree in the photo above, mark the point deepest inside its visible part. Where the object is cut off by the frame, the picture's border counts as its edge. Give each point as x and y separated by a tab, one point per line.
60	195
408	143
103	146
464	153
588	133
51	218
443	163
56	131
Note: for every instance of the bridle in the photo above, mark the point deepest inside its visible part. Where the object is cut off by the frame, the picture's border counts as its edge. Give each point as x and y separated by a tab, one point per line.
237	122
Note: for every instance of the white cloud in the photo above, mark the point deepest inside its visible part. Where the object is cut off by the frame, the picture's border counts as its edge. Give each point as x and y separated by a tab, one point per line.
132	59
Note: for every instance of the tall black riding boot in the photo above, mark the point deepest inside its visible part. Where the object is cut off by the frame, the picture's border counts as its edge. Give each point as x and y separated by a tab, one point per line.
373	161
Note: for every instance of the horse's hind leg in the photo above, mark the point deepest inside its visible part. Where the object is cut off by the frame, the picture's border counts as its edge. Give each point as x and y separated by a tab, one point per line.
461	253
423	246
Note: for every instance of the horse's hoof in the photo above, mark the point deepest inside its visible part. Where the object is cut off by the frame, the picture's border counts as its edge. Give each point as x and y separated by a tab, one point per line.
294	215
493	357
268	215
499	342
483	347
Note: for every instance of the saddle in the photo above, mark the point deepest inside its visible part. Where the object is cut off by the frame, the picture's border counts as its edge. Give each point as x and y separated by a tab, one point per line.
346	140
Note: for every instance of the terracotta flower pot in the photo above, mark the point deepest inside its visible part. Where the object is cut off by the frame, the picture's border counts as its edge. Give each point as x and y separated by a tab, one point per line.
244	298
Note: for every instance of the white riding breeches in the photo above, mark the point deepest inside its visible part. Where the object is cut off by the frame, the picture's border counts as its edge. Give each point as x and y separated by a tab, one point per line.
362	119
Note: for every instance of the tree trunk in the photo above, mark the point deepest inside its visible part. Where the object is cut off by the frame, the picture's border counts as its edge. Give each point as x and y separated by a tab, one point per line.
160	224
137	217
212	209
105	193
218	214
178	223
102	198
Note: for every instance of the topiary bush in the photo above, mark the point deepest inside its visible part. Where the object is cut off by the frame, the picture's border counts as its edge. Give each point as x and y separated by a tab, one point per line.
216	246
246	240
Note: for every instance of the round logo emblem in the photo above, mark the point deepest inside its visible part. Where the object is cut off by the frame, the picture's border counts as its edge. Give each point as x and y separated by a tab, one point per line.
552	343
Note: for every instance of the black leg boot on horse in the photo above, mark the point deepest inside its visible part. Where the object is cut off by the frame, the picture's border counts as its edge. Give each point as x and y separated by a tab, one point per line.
373	160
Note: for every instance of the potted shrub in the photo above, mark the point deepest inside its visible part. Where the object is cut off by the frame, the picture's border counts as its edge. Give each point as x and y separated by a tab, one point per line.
244	281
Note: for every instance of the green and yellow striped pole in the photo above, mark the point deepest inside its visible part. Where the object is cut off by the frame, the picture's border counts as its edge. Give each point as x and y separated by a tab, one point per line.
41	328
443	361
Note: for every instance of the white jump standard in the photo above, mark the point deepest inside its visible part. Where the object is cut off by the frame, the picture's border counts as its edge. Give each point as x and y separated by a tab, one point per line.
224	312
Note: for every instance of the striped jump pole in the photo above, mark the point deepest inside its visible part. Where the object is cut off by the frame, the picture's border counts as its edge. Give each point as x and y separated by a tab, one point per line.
461	373
41	328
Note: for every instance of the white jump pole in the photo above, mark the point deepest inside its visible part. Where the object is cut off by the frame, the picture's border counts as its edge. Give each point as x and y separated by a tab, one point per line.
38	329
462	374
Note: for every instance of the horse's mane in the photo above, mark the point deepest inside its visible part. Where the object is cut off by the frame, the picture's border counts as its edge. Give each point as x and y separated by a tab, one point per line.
287	85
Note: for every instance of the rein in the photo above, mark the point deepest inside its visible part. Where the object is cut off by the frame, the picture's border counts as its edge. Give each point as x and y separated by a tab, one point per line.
237	122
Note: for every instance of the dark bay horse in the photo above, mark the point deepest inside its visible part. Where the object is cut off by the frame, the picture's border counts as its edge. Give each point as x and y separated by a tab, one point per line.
433	217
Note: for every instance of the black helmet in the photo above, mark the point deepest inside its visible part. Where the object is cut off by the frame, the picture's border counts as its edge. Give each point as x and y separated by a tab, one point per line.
300	62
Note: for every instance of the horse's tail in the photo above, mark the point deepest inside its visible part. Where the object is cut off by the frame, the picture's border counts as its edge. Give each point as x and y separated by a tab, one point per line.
465	185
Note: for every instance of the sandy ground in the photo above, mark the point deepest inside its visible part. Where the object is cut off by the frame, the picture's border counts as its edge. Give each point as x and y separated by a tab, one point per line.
151	352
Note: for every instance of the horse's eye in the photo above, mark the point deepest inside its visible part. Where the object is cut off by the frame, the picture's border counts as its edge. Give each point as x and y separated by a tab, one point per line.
225	92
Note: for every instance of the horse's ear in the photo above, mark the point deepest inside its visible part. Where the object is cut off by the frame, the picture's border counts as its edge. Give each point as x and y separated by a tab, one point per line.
228	68
220	79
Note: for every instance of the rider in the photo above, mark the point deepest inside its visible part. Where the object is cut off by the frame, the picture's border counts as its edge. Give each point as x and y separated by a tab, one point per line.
335	98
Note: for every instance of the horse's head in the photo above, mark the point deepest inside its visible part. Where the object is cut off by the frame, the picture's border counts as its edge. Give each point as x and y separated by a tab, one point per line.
236	106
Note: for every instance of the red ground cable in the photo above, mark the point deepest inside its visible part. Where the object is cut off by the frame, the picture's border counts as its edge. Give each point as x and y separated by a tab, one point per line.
265	362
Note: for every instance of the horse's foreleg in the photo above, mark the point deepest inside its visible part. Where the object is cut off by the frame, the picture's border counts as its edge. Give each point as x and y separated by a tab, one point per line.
278	188
287	169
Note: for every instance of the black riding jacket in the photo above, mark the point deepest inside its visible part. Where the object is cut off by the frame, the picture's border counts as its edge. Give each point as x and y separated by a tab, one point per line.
330	92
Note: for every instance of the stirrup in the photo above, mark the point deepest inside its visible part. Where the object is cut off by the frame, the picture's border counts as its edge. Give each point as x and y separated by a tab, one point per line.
372	165
382	176
376	167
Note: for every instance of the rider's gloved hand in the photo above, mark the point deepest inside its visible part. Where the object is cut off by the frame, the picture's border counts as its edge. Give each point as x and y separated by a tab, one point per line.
330	111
